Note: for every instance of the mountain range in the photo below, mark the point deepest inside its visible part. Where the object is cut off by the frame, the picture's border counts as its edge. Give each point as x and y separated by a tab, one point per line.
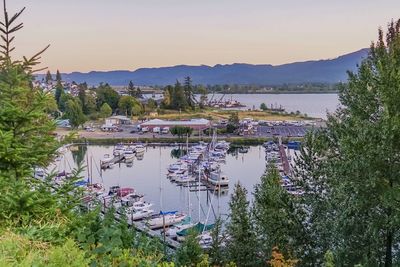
325	71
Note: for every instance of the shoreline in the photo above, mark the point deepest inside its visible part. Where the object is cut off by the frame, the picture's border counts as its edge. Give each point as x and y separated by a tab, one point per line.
172	141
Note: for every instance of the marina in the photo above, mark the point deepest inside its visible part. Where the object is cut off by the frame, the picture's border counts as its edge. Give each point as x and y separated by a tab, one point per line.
165	190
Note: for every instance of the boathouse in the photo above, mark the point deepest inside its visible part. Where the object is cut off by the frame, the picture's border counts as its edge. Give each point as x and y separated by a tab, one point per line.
195	124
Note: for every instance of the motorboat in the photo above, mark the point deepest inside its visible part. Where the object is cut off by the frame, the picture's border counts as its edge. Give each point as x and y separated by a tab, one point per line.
129	155
216	178
136	215
165	219
119	150
172	231
140	149
183	179
106	159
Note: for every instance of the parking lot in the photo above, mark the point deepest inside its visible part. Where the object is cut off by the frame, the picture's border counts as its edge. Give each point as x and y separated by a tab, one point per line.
285	131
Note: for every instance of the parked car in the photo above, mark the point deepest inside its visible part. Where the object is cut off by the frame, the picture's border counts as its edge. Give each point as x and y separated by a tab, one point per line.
156	130
165	130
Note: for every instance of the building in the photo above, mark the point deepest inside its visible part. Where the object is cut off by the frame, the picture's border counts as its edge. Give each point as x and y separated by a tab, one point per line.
195	124
118	120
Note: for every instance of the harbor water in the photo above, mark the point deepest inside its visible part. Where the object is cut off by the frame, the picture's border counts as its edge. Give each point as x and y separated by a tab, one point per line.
147	175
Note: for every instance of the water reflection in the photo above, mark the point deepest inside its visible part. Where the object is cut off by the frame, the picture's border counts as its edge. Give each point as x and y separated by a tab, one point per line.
147	174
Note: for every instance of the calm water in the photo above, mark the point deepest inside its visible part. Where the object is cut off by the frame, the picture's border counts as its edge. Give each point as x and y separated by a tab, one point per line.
148	176
314	105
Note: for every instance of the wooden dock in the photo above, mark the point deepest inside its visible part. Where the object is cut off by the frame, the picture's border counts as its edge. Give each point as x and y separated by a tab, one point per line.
285	161
141	227
115	160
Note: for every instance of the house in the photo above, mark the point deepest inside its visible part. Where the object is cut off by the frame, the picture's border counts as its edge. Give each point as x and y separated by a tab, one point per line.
195	124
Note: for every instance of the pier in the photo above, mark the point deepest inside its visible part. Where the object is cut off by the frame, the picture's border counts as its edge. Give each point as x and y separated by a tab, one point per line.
141	227
114	160
284	159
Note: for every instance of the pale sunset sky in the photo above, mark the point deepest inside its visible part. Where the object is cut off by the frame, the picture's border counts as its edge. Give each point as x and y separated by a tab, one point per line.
90	35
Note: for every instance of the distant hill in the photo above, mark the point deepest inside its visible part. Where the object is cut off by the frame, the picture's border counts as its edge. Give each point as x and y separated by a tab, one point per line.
329	71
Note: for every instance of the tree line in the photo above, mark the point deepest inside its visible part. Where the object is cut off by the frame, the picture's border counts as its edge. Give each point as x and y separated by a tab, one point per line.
347	214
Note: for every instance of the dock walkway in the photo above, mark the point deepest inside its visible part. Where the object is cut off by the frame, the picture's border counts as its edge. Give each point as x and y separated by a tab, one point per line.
285	161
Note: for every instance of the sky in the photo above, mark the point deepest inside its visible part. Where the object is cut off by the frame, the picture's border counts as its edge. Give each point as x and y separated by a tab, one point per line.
86	35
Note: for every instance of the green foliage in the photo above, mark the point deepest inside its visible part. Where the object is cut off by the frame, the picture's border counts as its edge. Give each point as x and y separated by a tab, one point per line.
58	77
181	131
48	77
274	216
151	105
328	259
105	94
129	105
188	89
233	122
241	245
17	250
73	112
190	252
175	98
134	91
354	165
105	110
263	106
217	252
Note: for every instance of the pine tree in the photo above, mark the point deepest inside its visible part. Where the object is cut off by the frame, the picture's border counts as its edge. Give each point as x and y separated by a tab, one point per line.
274	216
241	241
58	77
216	252
188	89
24	124
189	253
48	77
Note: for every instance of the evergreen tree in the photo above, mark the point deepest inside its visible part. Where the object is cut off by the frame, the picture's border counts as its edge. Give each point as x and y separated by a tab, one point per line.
188	89
274	216
59	92
48	77
58	76
360	158
241	242
73	112
178	101
190	252
216	252
24	124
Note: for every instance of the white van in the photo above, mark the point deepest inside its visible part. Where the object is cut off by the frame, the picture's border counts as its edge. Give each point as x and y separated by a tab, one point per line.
145	129
165	130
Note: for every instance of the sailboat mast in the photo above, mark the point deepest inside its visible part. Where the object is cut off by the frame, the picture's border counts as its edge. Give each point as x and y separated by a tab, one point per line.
199	191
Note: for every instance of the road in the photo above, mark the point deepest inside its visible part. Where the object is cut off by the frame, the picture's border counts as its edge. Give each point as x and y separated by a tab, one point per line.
262	131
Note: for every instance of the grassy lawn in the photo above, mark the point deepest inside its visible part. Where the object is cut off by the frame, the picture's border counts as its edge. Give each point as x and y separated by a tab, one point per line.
215	114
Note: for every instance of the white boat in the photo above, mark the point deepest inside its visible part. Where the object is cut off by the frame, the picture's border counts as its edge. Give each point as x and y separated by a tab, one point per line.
39	173
129	155
136	215
216	178
118	150
171	232
168	219
140	149
183	179
205	240
106	158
